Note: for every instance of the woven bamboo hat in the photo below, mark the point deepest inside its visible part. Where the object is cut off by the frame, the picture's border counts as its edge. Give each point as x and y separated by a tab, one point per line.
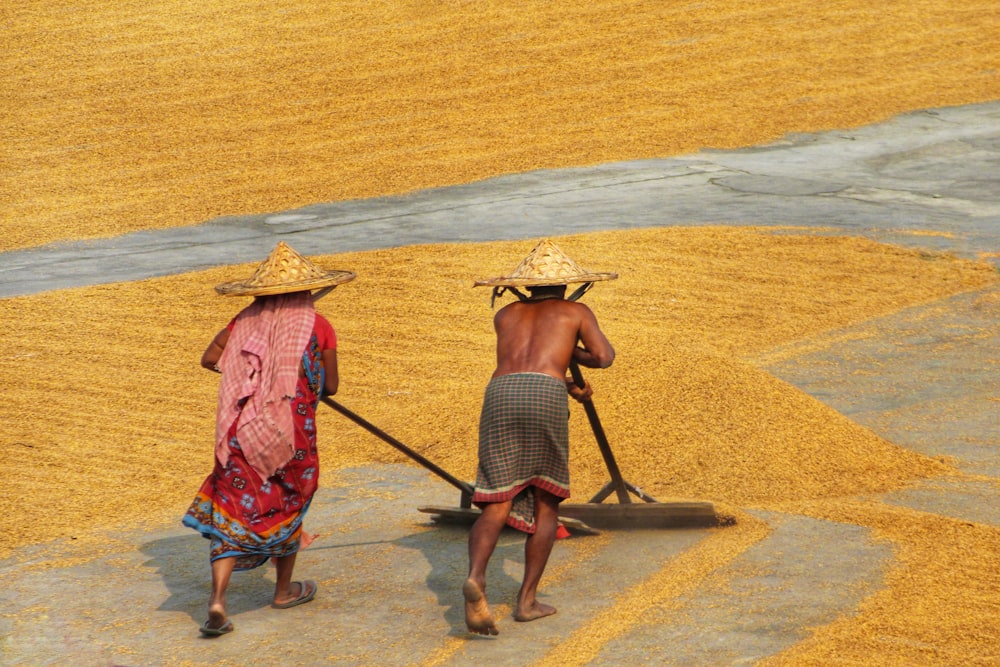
282	272
546	264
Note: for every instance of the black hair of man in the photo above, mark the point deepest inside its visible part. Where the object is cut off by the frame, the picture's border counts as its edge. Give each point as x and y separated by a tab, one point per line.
549	291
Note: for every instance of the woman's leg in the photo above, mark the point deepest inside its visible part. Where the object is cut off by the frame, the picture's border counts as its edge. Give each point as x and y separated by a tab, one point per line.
222	570
283	589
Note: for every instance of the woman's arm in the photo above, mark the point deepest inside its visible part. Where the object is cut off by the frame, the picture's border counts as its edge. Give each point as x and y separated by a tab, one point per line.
332	382
210	358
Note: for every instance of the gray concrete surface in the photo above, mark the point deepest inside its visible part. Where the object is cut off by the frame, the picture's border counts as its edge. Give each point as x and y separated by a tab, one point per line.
924	378
389	591
804	575
928	171
389	579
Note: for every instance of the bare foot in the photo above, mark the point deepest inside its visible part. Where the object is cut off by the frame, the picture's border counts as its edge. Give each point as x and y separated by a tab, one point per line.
477	612
534	611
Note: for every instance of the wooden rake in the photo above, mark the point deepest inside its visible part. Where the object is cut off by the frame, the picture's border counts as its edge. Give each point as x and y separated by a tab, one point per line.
580	518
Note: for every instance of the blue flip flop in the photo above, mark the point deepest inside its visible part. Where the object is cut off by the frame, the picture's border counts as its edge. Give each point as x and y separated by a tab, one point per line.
307	591
226	628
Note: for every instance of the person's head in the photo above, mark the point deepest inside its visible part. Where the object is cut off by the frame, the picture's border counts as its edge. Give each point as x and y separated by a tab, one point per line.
270	297
549	291
545	267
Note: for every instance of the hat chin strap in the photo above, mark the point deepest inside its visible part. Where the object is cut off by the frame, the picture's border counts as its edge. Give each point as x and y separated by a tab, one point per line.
579	291
500	289
319	294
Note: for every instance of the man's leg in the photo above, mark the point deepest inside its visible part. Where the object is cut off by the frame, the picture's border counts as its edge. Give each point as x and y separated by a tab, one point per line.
536	554
483	538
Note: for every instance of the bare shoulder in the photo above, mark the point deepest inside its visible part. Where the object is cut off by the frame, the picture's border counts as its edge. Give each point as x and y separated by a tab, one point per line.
506	311
581	309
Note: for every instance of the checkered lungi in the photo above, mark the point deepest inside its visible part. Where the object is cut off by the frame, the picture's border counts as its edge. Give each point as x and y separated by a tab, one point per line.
523	442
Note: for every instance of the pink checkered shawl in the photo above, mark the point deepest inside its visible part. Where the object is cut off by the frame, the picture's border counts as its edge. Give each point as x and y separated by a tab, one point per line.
261	363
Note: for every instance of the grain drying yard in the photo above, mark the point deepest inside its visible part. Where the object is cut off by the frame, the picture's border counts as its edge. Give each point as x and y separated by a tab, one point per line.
813	354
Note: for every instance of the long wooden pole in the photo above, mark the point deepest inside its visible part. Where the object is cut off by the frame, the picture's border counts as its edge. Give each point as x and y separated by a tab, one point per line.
617	482
466	488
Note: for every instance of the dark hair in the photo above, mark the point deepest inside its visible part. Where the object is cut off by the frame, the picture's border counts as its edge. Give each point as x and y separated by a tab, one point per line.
547	289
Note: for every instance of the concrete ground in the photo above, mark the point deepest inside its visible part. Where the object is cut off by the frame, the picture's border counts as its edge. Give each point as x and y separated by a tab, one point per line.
909	181
389	578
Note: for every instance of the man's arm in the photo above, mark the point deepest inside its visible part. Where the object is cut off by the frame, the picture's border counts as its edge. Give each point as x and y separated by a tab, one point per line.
596	351
580	394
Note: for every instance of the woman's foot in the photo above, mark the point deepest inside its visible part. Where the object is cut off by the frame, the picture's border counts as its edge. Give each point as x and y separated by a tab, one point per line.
299	592
217	623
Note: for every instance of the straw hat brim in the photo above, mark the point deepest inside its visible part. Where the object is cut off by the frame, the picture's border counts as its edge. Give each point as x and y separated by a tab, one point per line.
504	281
244	288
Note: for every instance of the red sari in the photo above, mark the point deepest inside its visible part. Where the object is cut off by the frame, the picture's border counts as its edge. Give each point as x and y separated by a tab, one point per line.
254	519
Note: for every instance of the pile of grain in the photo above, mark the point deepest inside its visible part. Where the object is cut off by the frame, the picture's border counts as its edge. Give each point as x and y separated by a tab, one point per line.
112	411
137	115
112	422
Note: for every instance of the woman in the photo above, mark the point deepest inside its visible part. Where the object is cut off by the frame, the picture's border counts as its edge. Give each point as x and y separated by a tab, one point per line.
277	357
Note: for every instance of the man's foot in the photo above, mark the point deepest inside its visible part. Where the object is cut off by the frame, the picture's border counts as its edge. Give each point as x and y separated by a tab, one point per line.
217	623
532	612
477	612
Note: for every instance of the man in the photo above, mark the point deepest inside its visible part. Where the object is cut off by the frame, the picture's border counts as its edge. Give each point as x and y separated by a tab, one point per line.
523	471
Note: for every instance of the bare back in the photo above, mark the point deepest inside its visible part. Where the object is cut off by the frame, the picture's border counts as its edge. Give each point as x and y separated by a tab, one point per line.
541	336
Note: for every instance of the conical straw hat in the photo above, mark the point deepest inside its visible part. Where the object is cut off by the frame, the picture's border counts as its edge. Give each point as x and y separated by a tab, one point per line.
282	272
546	264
